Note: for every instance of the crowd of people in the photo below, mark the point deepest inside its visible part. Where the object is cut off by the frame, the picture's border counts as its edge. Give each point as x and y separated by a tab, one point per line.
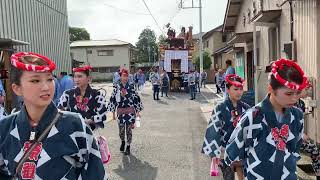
246	142
65	113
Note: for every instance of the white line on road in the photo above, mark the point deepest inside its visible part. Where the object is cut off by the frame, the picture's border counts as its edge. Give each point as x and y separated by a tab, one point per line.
214	92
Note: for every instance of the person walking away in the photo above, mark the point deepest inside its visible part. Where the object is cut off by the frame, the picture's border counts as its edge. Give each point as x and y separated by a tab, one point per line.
192	84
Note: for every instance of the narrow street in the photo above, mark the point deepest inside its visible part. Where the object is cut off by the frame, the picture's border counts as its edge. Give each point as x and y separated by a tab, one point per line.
168	143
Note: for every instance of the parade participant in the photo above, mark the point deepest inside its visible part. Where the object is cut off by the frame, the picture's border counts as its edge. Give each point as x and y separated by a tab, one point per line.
127	104
90	103
57	88
185	82
223	120
155	80
192	84
116	77
204	76
66	83
2	99
164	83
269	135
219	79
197	75
141	79
40	142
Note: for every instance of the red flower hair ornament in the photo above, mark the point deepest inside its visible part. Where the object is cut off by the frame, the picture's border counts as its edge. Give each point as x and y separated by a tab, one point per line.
279	65
17	61
82	69
124	72
232	79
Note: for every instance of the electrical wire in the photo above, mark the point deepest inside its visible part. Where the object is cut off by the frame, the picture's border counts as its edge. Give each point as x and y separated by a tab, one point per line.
152	16
126	11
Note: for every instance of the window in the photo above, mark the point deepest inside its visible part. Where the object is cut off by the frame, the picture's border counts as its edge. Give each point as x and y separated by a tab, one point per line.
224	38
207	44
89	51
111	69
105	52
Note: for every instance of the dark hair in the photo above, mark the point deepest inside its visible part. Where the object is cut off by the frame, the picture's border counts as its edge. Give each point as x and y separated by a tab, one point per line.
229	62
15	73
86	72
233	79
63	73
288	73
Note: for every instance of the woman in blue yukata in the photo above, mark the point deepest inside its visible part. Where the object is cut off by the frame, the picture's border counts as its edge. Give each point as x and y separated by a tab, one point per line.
223	120
126	102
40	142
90	103
269	135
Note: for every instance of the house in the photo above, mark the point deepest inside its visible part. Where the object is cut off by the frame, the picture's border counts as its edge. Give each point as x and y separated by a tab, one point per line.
105	56
265	30
214	41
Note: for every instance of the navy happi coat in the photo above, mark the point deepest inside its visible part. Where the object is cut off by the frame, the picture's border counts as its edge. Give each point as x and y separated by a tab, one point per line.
92	105
130	99
68	152
269	148
222	122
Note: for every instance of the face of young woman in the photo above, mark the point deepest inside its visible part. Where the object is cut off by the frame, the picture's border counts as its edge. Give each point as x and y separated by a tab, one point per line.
124	78
36	88
81	79
286	97
235	93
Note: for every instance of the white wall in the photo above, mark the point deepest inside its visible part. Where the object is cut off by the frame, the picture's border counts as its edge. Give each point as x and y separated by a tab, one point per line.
120	56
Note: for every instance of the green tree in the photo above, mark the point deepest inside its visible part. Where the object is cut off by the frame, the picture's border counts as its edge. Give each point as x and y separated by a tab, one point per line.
162	40
77	34
147	46
206	61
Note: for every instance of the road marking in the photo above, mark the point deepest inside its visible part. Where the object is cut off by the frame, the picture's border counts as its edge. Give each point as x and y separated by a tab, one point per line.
214	92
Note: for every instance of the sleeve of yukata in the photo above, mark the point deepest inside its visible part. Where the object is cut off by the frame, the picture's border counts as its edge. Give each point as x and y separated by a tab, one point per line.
113	102
4	173
241	138
138	106
92	167
213	137
64	102
100	107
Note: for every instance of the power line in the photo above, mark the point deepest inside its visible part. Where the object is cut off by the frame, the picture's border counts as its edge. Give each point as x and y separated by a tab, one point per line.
152	16
126	11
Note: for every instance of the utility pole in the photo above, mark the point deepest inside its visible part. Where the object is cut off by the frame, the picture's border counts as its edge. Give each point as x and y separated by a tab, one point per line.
200	28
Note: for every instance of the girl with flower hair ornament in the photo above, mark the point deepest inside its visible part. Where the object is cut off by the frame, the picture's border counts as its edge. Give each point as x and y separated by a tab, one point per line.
126	103
90	103
39	141
224	119
269	135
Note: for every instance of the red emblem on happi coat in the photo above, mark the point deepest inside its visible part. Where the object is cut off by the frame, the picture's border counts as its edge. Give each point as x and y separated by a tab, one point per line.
280	136
28	170
235	117
82	103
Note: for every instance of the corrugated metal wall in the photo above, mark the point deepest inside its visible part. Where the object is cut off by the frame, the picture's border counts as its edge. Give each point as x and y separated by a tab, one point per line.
42	23
306	35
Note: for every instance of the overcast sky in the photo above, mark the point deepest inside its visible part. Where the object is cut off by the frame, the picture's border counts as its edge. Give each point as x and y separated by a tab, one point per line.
125	19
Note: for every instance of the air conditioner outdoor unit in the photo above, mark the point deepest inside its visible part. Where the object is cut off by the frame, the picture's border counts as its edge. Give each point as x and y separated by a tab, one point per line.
290	50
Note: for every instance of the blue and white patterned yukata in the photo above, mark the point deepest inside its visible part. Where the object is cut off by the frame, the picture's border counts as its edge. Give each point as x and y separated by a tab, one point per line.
92	105
269	148
69	151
